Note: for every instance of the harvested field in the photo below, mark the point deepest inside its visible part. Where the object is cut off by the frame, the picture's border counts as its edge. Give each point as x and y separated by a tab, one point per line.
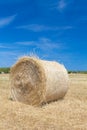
69	113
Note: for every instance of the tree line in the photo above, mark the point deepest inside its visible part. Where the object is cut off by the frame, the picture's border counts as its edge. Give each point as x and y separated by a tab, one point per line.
7	70
4	70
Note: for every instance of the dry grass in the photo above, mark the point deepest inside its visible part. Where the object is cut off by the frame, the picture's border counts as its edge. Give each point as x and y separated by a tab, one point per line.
67	114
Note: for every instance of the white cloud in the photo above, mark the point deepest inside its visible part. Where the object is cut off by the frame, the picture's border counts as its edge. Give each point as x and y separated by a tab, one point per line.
4	47
43	44
47	44
43	47
26	43
35	27
39	28
61	5
6	21
7	53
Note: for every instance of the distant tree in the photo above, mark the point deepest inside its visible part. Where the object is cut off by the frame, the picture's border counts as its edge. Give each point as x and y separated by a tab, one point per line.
5	70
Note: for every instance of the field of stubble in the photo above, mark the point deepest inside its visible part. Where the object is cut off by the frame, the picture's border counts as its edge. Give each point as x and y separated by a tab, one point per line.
67	114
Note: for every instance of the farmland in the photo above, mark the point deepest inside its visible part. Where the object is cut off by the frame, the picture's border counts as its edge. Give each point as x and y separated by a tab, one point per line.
69	113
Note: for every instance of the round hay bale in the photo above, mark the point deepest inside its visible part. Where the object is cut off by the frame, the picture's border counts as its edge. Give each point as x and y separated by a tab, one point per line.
35	81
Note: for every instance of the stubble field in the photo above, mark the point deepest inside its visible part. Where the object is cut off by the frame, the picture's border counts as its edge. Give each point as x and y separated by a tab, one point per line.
69	113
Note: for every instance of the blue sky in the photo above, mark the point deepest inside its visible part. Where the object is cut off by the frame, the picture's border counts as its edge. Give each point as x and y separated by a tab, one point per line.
52	29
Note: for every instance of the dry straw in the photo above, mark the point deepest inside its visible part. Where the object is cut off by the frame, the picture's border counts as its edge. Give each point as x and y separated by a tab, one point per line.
35	81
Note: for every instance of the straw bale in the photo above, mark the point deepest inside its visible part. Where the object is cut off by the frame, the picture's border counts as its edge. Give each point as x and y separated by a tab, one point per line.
35	81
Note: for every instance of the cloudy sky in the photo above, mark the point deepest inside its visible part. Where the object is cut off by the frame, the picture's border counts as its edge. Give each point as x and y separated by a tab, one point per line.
52	29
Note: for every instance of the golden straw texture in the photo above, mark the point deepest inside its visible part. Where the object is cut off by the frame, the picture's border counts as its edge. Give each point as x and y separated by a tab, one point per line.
35	81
